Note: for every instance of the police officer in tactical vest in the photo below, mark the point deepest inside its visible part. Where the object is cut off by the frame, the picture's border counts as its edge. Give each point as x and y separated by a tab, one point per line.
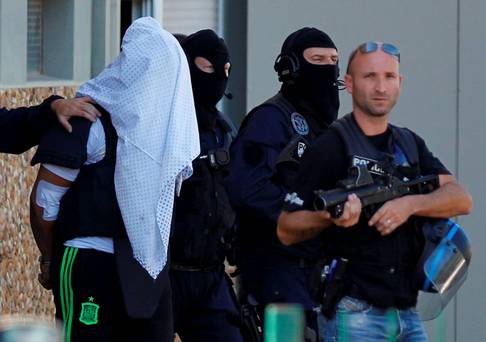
204	304
375	251
265	157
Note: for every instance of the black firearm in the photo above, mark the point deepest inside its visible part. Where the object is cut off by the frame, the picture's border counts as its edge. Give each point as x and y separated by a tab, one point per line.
370	191
333	278
252	325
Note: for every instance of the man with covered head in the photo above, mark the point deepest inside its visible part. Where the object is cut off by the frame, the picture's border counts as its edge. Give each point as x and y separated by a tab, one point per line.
204	306
265	157
101	207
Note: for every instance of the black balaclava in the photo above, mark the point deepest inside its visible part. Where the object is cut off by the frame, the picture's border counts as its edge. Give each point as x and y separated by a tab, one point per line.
180	37
208	88
313	88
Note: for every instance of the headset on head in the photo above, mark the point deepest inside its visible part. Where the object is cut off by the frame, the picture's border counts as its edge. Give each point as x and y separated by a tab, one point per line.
287	67
287	64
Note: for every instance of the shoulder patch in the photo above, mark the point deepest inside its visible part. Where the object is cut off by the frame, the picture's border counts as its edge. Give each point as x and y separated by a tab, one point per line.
301	149
293	198
299	123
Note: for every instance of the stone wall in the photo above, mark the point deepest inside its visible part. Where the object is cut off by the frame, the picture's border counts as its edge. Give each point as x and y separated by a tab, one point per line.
20	293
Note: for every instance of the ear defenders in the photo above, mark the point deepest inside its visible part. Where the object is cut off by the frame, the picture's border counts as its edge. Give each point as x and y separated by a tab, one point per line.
287	63
287	67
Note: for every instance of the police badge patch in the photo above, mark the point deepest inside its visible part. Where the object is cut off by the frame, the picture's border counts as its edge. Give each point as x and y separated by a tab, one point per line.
299	123
89	312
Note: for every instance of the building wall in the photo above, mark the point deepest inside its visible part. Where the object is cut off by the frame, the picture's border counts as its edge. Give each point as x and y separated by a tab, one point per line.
20	293
189	16
471	161
442	49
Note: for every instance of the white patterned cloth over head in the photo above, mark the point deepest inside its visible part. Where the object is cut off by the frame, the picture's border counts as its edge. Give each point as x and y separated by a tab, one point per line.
147	91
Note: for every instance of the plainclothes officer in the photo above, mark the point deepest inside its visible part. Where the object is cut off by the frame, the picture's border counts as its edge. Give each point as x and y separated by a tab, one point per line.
382	249
265	157
203	300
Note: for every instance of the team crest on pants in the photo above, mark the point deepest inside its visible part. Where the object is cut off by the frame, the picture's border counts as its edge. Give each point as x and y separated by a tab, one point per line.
89	312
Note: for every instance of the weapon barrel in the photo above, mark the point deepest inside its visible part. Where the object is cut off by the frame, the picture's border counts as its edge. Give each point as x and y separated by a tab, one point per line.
326	200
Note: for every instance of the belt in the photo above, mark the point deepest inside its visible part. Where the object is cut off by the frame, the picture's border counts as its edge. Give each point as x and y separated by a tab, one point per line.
190	268
388	269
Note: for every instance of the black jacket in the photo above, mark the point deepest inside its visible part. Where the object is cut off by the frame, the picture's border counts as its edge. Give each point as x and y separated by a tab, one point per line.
21	128
204	220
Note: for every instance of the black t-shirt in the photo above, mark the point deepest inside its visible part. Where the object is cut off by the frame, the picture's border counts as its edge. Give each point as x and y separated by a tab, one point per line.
381	268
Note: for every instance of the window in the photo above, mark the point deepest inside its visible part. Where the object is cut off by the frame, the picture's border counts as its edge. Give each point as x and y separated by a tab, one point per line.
63	41
34	37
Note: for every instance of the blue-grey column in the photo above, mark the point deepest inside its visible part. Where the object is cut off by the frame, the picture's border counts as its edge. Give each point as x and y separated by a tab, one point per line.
157	9
82	25
13	41
105	35
67	39
234	32
471	117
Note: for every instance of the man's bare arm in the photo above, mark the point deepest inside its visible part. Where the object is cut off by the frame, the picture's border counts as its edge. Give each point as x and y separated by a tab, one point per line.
449	200
303	225
297	226
43	230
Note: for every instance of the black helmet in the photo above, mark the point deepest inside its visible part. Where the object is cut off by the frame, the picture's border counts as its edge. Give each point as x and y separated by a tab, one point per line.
442	268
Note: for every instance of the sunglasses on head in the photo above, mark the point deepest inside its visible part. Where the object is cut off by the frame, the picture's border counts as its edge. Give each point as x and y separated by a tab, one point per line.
385	47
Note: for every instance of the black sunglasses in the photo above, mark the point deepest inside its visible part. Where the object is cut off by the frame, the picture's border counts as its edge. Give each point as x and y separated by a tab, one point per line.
385	47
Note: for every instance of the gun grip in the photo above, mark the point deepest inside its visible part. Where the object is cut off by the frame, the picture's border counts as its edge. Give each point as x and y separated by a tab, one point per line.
337	211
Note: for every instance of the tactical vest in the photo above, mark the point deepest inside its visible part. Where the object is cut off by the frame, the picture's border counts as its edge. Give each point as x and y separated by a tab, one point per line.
204	225
360	150
89	207
370	255
302	132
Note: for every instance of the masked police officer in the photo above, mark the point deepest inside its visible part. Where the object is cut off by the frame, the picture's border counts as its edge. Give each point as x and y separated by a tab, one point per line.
377	250
21	128
204	304
265	158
